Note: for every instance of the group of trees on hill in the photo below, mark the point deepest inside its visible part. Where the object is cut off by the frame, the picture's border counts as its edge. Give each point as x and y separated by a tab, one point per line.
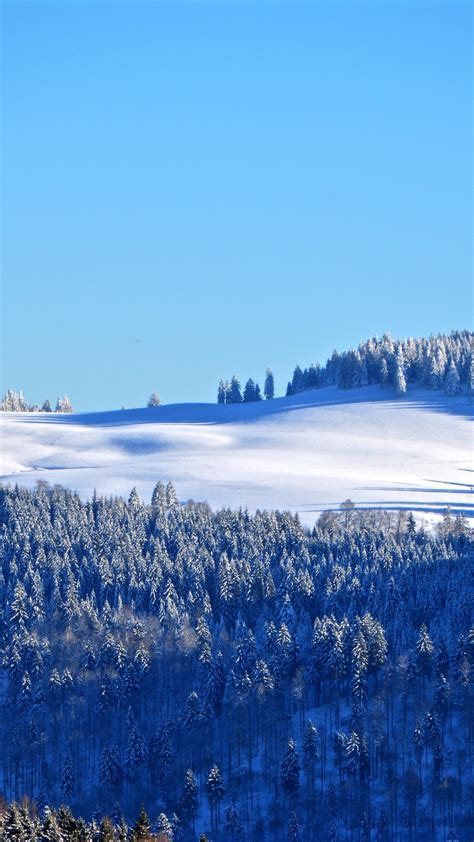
15	402
236	674
443	362
231	392
440	362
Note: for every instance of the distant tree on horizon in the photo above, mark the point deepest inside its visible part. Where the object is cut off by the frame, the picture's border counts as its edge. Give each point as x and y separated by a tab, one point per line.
63	404
269	387
234	394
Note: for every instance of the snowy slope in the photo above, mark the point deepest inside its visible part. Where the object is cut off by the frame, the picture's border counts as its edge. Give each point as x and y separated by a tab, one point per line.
306	453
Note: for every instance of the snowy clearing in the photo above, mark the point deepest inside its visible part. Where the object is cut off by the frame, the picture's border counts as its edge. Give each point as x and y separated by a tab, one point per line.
305	453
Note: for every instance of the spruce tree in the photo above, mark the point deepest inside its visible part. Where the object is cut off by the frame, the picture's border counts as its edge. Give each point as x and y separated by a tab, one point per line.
221	392
249	391
141	829
399	379
294	828
234	395
269	387
290	771
215	793
68	779
452	380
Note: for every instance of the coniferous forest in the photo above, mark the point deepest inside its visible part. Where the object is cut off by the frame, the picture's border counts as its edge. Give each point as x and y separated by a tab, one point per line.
170	672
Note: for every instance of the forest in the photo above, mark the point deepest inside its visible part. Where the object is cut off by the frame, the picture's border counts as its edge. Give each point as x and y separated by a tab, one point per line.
171	672
438	362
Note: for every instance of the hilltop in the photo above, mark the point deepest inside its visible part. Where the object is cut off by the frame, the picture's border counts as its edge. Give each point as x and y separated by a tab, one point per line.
305	453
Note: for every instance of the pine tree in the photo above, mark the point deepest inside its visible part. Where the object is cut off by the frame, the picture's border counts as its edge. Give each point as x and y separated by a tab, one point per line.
64	404
50	830
46	407
13	826
106	831
232	821
425	649
411	525
399	379
215	793
68	779
141	830
123	834
310	751
290	771
297	383
190	800
269	387
294	828
383	375
164	827
153	400
221	392
234	395
452	380
110	770
249	391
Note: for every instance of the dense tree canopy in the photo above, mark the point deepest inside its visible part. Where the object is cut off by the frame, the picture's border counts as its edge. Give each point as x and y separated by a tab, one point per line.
232	672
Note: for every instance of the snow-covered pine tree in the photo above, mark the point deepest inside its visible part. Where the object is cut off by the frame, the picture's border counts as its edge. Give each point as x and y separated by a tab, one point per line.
64	404
290	771
400	384
190	799
141	830
452	380
215	792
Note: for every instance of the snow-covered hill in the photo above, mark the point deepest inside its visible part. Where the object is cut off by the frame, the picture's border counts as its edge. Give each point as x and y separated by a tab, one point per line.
306	453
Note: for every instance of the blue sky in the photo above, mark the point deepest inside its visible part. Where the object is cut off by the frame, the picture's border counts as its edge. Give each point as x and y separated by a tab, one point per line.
233	185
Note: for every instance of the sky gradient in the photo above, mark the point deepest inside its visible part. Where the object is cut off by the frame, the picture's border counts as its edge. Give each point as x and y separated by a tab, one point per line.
193	190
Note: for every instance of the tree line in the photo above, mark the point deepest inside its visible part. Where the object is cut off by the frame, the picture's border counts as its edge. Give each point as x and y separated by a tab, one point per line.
15	402
443	362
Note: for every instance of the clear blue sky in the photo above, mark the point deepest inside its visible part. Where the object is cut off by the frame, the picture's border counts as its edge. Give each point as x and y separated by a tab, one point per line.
234	185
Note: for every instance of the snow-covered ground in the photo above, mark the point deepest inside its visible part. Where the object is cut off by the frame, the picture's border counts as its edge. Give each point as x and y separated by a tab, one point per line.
306	453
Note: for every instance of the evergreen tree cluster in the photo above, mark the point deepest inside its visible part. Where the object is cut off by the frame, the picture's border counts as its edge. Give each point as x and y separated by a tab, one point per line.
231	392
25	822
236	674
15	402
440	362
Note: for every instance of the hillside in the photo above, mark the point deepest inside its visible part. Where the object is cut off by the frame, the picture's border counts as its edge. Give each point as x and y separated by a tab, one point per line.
305	453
